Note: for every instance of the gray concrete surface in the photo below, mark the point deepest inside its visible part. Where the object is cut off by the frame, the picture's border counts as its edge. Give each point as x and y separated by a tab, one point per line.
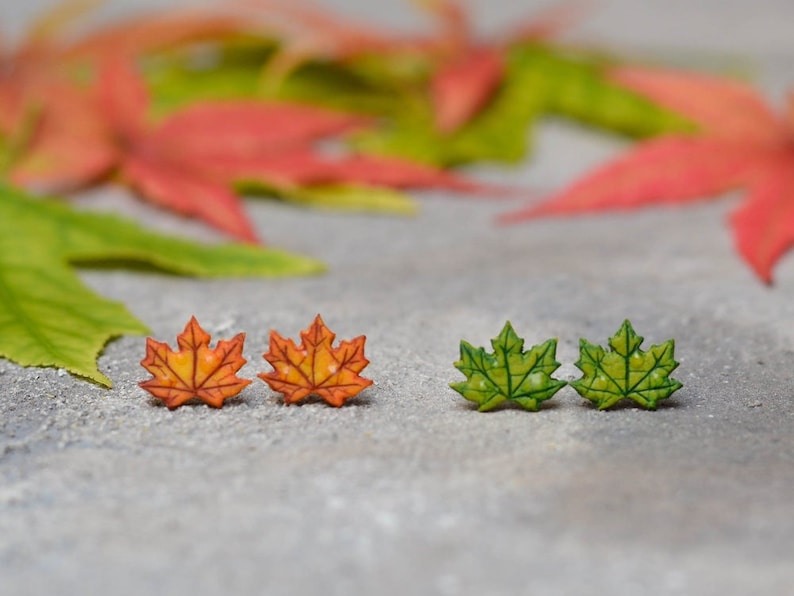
408	490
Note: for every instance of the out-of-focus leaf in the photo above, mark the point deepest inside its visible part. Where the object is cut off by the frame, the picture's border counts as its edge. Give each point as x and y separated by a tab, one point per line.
742	144
302	167
44	64
67	145
345	197
235	72
230	71
500	133
463	71
175	163
340	87
539	81
48	317
159	31
461	89
578	88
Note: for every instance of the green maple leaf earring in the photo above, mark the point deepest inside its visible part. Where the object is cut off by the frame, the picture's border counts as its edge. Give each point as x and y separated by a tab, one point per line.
509	373
625	371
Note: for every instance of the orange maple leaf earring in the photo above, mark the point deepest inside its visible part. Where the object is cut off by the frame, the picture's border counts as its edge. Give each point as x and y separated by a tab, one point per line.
316	367
196	370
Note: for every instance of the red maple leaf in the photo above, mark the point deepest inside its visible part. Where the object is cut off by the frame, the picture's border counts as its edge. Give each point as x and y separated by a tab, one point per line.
466	71
190	161
36	76
185	162
34	86
302	166
742	144
195	370
316	367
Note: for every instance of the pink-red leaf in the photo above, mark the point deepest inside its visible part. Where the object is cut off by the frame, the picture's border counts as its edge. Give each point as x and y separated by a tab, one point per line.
764	224
245	127
743	145
462	88
790	110
123	96
187	190
191	160
666	170
400	173
303	167
723	107
69	145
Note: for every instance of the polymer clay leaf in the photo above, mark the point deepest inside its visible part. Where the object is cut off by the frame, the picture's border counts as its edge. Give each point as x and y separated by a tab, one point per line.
315	367
48	317
625	371
196	370
509	373
741	144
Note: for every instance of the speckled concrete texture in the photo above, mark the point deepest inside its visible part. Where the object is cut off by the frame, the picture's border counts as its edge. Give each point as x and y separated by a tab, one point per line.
409	490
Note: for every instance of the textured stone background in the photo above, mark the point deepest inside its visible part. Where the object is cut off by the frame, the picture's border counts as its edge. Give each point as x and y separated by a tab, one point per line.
408	490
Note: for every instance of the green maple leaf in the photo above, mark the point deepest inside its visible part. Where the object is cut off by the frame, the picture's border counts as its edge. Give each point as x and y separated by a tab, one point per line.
49	318
237	72
234	72
341	197
509	373
575	86
626	371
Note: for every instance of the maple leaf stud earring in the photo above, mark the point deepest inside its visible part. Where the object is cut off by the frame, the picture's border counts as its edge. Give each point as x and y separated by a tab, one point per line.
196	370
510	373
316	367
625	371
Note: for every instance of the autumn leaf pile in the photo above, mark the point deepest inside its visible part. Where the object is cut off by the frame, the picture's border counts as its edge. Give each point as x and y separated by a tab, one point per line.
192	109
